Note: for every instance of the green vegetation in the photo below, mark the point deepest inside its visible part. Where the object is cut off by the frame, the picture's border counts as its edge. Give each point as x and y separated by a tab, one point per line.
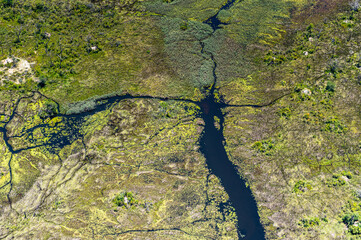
351	216
125	199
264	146
192	66
254	28
337	180
57	204
301	186
350	219
352	222
285	112
85	49
130	146
311	222
331	86
198	10
294	74
82	106
312	169
347	174
184	25
355	230
49	110
335	125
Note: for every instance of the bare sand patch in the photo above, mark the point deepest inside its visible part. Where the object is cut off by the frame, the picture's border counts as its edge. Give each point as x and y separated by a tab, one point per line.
16	70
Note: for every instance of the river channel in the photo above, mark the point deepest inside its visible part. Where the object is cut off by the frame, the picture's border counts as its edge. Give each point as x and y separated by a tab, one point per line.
211	145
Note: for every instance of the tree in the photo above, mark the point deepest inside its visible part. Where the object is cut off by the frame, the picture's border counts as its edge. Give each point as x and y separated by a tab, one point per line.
18	32
7	3
350	219
330	86
3	35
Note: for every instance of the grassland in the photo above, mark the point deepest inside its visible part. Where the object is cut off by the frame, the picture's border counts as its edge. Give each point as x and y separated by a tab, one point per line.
134	170
301	153
144	147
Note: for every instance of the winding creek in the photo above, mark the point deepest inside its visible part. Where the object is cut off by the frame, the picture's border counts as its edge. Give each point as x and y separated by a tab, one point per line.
211	145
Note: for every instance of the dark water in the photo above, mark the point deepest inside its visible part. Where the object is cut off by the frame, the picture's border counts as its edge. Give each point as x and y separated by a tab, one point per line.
240	196
211	145
214	21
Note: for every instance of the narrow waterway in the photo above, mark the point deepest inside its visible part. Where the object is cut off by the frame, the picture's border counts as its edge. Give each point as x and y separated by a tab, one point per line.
212	146
240	196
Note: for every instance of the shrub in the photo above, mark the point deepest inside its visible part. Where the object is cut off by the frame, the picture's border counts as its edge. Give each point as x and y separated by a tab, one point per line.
335	125
264	146
353	206
7	3
57	204
336	180
184	25
350	219
309	31
355	230
330	86
284	112
310	222
125	199
42	81
274	58
347	174
301	186
48	111
327	103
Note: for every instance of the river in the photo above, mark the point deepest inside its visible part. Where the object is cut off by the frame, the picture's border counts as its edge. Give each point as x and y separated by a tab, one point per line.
211	145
